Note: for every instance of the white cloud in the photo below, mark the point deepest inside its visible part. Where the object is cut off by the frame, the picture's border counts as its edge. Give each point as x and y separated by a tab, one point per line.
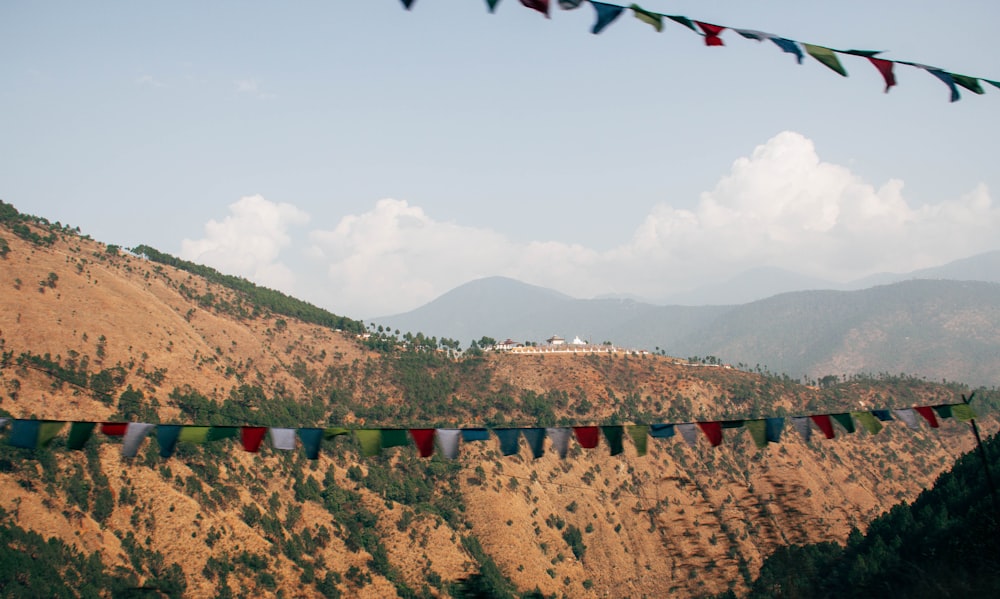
251	87
149	81
781	206
249	241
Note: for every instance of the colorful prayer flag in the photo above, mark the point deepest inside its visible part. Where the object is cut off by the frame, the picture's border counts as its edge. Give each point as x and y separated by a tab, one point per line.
885	68
825	424
789	46
689	432
908	416
826	56
423	438
560	440
614	436
114	429
194	434
928	414
535	437
758	432
606	14
639	434
447	441
283	438
712	430
251	437
801	424
652	18
683	21
773	427
868	421
711	33
541	6
661	431
587	436
948	80
963	412
370	440
79	434
167	436
508	438
312	439
394	437
845	421
475	434
135	434
969	83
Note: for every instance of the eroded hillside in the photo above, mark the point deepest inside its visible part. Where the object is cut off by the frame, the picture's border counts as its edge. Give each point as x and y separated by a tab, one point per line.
91	332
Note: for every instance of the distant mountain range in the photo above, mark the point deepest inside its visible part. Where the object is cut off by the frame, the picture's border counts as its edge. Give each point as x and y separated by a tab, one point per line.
760	283
941	323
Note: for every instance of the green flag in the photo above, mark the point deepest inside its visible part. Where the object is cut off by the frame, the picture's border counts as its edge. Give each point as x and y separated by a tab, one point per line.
683	21
845	421
47	431
614	436
868	421
394	437
194	434
370	440
334	431
969	83
79	433
943	411
826	56
963	412
639	434
222	432
758	430
654	19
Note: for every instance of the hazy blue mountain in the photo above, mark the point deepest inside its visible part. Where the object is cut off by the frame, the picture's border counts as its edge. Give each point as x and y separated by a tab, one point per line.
504	308
981	267
749	286
933	328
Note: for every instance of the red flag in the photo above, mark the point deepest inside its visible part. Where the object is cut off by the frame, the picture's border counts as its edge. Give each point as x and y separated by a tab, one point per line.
884	67
825	424
928	413
541	6
588	436
712	430
423	438
114	429
712	33
252	437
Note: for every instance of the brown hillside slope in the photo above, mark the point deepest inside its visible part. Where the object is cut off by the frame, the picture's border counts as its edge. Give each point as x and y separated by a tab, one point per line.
680	520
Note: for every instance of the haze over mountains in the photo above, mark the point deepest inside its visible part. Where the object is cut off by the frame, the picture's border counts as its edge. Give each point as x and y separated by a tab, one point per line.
941	323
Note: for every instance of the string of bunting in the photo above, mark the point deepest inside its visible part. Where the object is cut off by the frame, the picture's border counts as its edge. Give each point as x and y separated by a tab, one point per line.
606	14
33	434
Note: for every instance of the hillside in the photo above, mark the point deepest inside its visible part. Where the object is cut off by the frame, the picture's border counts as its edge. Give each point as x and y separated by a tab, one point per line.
945	543
934	329
92	332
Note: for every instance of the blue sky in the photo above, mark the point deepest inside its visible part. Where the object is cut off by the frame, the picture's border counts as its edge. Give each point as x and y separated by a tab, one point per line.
369	159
